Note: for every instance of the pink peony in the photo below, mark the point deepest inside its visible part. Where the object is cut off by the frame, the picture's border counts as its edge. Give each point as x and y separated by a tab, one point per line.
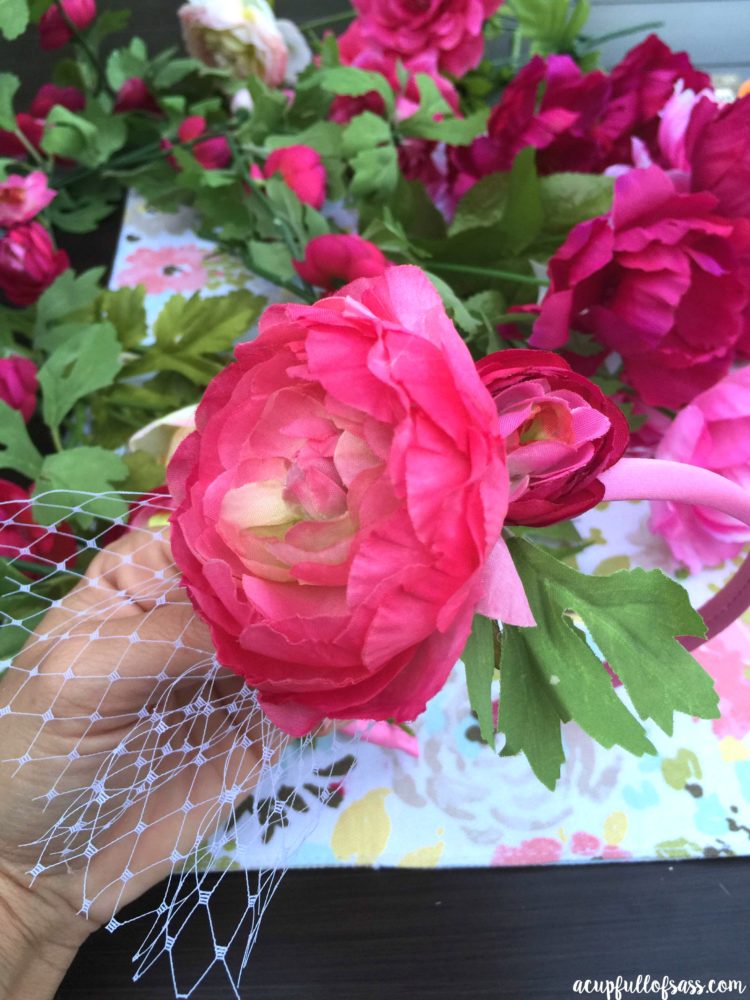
213	153
336	259
302	170
659	281
713	432
18	384
32	122
718	154
449	29
642	84
29	263
550	105
21	198
134	95
54	30
560	430
402	77
340	504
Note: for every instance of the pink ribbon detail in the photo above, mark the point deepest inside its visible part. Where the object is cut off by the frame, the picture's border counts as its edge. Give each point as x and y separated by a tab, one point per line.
655	479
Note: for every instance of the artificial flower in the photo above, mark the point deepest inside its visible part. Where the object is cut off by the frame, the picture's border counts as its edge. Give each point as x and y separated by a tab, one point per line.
335	259
717	151
450	29
29	263
213	153
22	538
712	432
54	29
302	170
22	198
18	384
560	431
340	505
659	281
32	122
134	95
242	36
162	437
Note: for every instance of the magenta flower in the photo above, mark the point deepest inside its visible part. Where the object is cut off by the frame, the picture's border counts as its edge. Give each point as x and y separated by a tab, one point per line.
54	30
18	384
29	263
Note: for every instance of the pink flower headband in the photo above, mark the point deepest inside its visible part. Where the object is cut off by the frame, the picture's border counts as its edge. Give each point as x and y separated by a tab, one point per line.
345	510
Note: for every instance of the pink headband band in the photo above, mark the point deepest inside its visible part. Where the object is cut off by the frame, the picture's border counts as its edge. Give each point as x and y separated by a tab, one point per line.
654	479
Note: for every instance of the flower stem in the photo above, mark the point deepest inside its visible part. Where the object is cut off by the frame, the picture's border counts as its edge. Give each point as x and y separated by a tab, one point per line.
489	272
29	147
591	43
324	22
100	75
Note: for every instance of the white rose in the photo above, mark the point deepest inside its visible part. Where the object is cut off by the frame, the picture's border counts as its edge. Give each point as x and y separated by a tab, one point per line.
300	53
161	437
242	36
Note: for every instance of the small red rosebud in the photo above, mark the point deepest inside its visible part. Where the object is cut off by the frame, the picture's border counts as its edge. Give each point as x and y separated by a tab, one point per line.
18	384
134	95
54	31
338	258
212	154
29	263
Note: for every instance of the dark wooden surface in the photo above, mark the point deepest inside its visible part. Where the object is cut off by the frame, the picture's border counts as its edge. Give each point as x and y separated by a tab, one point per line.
453	935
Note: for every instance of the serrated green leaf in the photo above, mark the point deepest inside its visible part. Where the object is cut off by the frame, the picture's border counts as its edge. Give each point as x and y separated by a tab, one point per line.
14	18
190	333
550	25
479	661
125	309
633	617
68	295
568	199
89	137
364	131
9	84
17	450
376	172
353	82
125	63
483	204
84	363
436	120
455	306
67	480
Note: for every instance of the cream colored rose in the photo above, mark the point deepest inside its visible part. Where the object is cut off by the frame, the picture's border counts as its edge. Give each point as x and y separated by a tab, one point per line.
162	437
242	36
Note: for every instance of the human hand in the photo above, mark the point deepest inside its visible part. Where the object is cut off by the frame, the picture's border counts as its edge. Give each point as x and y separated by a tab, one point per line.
125	638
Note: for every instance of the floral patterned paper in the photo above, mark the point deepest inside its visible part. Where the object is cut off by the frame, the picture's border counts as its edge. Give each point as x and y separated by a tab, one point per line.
458	804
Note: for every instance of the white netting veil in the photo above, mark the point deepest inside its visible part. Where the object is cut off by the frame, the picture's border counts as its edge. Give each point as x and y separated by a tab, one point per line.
136	753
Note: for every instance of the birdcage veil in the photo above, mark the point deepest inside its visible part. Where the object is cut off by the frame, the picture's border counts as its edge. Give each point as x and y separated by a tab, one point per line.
142	756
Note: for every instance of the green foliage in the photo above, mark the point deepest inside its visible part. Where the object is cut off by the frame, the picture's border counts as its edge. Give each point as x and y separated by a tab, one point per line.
192	335
79	485
83	363
9	84
550	25
436	120
479	661
89	137
551	675
17	451
568	199
14	18
352	82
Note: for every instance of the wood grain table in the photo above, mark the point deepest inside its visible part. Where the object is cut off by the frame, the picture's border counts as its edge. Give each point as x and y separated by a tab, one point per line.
451	934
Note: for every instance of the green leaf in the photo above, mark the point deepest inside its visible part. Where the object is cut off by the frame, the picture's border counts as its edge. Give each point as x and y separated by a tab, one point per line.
436	120
9	84
67	480
189	333
479	661
376	172
633	617
455	306
17	450
353	82
549	24
127	62
68	295
523	217
145	473
483	204
14	18
125	309
90	137
568	199
84	363
365	131
528	714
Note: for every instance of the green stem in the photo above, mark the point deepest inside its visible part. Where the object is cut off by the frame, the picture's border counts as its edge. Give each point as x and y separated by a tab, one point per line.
489	272
591	43
29	147
101	77
56	439
324	22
